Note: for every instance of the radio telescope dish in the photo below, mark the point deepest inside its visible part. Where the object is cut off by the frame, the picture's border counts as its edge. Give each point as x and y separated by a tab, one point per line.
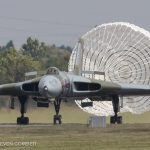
122	51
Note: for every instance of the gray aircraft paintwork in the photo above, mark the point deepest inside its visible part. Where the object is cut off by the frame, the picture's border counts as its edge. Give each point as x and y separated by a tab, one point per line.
65	85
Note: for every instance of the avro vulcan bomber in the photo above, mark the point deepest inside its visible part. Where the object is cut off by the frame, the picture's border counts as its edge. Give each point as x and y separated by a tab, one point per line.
57	86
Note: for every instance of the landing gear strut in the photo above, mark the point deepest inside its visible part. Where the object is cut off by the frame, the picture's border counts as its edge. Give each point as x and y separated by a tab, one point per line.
23	103
57	117
116	119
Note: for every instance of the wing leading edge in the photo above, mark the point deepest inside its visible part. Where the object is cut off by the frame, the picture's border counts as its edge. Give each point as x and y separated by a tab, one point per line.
124	89
29	87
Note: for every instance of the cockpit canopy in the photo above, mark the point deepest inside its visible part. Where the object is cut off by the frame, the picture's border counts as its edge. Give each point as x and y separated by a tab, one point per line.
53	71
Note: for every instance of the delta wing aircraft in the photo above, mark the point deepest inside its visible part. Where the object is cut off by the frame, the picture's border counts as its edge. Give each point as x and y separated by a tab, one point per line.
56	86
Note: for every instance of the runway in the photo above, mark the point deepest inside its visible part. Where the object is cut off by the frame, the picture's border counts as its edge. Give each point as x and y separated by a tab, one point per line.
13	125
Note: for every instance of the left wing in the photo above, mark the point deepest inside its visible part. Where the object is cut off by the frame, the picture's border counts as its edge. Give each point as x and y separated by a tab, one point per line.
90	87
124	89
29	87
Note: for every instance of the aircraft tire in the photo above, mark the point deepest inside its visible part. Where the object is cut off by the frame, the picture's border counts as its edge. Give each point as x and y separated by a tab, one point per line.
119	120
57	118
112	120
23	120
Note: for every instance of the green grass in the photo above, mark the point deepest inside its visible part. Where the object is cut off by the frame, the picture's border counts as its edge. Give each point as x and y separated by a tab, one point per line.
79	137
70	114
74	133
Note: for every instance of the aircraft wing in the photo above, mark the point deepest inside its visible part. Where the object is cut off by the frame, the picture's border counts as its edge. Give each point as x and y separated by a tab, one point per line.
72	86
134	89
29	87
100	87
124	89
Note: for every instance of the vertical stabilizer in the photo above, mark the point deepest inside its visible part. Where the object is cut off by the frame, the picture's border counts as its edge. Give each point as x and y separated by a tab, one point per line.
79	58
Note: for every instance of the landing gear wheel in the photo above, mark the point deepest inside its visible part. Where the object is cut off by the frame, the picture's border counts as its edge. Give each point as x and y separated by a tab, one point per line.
23	120
114	119
57	119
23	106
116	107
119	120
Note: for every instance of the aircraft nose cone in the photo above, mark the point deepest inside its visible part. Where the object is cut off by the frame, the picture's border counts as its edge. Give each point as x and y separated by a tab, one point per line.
50	86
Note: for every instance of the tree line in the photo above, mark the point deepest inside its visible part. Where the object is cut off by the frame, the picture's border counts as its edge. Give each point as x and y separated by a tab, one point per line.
33	55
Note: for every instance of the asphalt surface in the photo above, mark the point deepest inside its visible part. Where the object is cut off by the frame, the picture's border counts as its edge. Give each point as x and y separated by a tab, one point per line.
30	125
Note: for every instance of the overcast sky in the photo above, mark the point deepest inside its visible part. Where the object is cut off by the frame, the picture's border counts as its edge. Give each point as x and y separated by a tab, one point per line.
64	21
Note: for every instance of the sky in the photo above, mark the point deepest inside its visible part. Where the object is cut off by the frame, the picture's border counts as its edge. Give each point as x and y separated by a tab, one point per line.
63	22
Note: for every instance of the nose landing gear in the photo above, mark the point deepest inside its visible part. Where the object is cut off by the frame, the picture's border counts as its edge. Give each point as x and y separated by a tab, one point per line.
57	118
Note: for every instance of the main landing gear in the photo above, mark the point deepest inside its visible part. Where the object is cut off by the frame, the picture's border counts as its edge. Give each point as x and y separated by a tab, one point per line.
57	118
23	106
115	119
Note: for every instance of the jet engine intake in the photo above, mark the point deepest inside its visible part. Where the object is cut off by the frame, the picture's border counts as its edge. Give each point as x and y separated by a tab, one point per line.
83	86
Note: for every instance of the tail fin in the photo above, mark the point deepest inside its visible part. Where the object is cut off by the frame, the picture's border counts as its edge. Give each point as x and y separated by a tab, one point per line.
79	58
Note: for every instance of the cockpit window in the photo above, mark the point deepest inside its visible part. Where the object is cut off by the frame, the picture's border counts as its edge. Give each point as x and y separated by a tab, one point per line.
53	71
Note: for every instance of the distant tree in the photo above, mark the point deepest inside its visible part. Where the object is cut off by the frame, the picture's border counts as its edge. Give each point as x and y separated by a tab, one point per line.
8	45
53	46
62	47
13	65
34	48
47	55
68	48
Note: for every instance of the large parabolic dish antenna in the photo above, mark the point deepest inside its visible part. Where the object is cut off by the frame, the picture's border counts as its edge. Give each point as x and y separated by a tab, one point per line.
122	51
